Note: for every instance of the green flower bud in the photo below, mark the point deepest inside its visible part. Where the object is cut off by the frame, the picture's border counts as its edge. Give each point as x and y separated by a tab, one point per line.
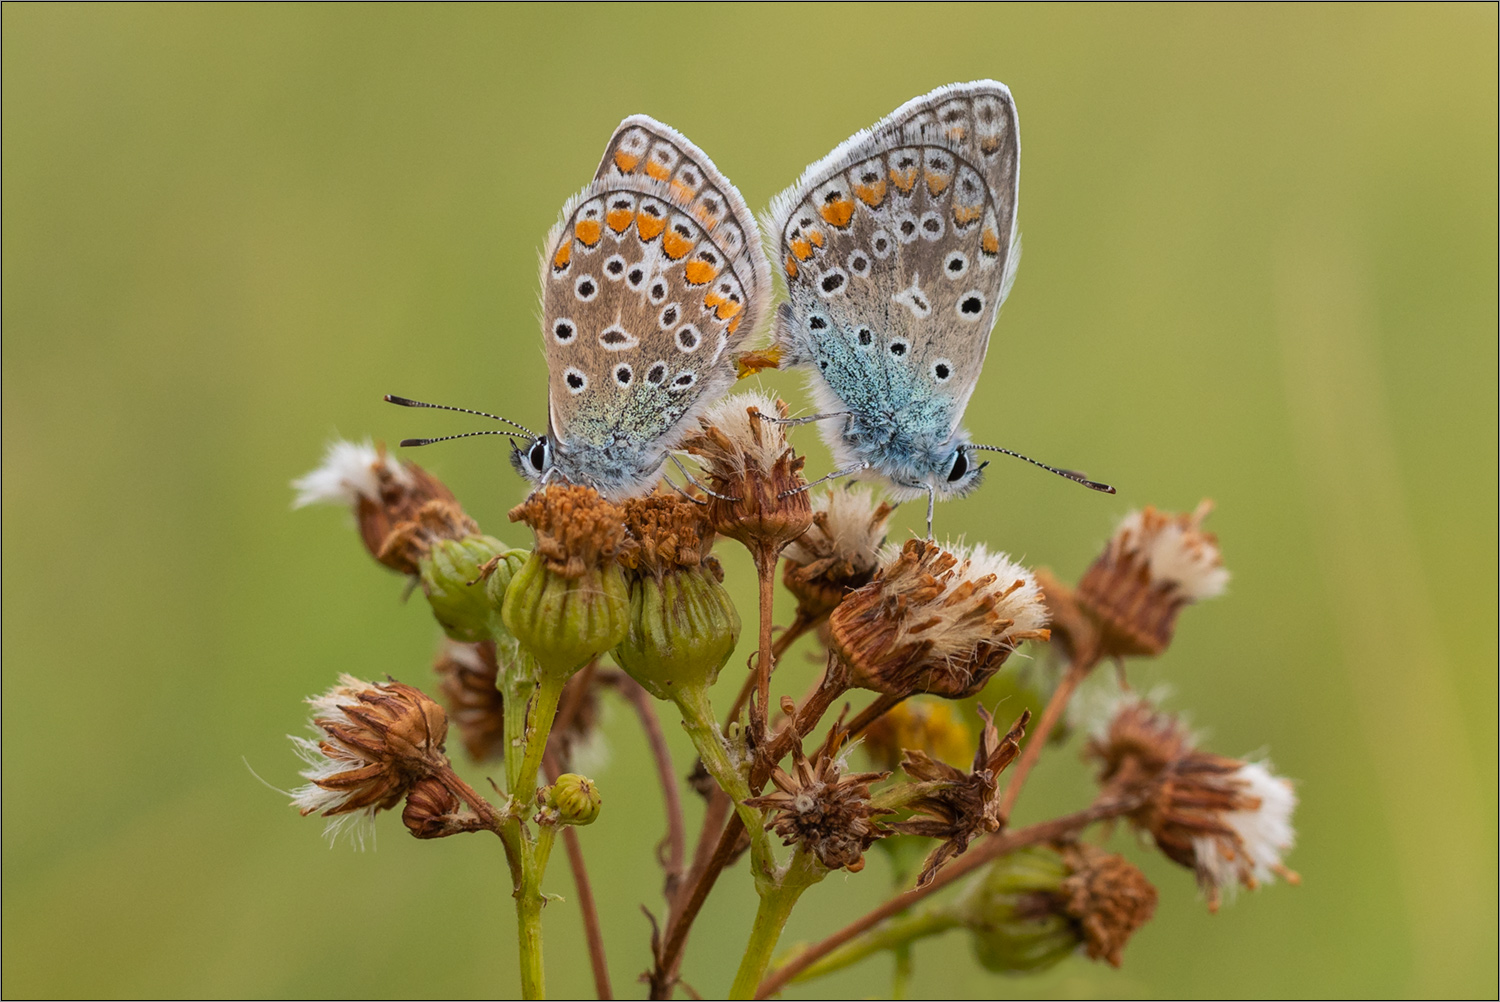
572	800
566	622
451	572
1014	915
569	602
682	630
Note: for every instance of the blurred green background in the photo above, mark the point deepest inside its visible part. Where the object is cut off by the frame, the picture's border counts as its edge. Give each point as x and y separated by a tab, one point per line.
1260	266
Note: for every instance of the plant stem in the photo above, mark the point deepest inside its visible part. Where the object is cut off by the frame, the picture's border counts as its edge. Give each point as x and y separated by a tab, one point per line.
1077	671
901	976
698	720
765	569
776	903
586	907
896	935
676	839
800	626
529	904
541	709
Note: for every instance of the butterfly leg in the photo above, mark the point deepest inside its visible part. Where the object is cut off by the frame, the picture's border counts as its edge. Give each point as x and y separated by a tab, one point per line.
931	500
846	471
668	481
809	419
693	480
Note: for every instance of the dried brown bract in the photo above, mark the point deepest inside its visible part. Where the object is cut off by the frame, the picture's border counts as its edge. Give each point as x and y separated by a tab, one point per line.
401	509
755	473
1155	564
937	621
670	533
1108	899
958	806
468	674
432	810
838	553
374	742
576	530
827	812
1227	820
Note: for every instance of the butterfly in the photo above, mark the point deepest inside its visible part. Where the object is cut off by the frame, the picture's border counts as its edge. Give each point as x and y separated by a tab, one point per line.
652	279
898	249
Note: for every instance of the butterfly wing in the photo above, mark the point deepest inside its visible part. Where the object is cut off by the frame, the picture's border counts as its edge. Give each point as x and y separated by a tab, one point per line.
651	281
898	249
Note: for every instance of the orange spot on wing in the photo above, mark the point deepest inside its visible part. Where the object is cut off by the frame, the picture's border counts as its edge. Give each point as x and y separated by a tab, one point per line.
963	215
989	144
619	219
734	323
588	231
656	170
791	266
726	309
700	272
626	161
816	236
560	259
938	183
801	249
649	226
904	180
989	242
675	245
705	217
682	191
871	194
838	212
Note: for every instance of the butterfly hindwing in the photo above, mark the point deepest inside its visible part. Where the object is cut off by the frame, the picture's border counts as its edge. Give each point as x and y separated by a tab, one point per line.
650	283
898	249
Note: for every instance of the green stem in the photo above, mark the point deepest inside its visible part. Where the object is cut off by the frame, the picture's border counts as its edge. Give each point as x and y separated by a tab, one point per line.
529	903
901	976
897	934
698	720
540	711
776	903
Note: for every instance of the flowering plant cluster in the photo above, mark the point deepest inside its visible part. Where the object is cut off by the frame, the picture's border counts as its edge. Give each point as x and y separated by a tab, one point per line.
629	597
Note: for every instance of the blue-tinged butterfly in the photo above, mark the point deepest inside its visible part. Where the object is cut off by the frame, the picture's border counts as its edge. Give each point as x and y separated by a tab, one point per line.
898	249
651	281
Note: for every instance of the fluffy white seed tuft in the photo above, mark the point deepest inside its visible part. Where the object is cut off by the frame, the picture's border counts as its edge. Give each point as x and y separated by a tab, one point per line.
349	471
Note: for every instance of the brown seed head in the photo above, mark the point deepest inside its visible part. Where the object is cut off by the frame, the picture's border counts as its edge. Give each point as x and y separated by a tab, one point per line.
1227	820
468	674
669	532
373	743
826	812
937	621
1107	897
1155	564
400	507
431	809
576	530
838	553
747	459
958	806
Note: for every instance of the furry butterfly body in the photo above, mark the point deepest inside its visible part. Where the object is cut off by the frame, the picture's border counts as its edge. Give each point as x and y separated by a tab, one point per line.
898	249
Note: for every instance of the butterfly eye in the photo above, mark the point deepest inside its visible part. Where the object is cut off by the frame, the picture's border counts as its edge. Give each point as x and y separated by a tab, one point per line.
537	457
960	466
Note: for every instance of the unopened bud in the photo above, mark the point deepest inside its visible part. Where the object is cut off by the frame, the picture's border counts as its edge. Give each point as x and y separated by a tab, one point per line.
572	800
456	577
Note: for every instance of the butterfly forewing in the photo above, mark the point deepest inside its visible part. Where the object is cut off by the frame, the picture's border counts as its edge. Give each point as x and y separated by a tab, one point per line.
650	284
897	250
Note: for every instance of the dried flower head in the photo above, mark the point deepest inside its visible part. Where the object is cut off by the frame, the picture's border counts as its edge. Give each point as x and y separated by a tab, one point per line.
825	811
1036	906
958	806
468	675
754	472
839	552
400	507
937	621
669	533
1108	899
432	810
919	725
1227	820
576	529
1155	564
373	743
